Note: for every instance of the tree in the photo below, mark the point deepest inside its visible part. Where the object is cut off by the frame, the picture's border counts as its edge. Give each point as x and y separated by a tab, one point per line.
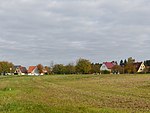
147	69
83	66
95	68
125	62
147	63
130	68
121	63
70	69
131	60
6	67
59	69
40	68
117	69
48	70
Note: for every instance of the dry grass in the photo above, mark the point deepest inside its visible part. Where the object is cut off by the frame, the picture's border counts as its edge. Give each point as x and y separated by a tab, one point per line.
75	94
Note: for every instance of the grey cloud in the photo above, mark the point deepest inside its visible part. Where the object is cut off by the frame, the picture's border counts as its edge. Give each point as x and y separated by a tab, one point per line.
36	31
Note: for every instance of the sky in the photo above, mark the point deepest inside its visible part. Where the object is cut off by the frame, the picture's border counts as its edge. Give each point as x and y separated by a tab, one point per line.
62	31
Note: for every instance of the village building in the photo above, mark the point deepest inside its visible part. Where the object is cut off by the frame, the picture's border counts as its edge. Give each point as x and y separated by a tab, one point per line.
33	70
20	70
107	66
139	66
44	72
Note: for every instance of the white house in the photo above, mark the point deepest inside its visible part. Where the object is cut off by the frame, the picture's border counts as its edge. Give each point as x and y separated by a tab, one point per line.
20	70
108	66
33	70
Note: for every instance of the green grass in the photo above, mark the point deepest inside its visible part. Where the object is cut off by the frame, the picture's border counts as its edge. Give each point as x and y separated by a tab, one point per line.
75	94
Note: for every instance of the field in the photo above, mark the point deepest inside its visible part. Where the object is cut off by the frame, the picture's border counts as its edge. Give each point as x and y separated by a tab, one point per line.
75	94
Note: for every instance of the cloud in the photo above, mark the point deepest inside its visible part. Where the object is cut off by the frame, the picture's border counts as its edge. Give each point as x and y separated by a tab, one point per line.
35	31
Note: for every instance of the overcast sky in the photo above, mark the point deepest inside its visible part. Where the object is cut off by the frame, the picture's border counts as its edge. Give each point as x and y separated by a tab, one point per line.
41	31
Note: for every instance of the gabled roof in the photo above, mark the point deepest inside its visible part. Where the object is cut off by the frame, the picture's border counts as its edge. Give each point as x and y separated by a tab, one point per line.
109	65
137	65
17	66
31	68
21	68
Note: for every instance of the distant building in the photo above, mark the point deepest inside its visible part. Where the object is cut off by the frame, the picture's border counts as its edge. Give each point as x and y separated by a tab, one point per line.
139	67
107	66
44	72
33	70
20	70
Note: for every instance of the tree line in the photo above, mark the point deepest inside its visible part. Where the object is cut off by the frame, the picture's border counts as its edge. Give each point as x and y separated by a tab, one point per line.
82	66
128	67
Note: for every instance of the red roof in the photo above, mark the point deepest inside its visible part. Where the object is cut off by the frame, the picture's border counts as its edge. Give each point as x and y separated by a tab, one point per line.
31	68
109	65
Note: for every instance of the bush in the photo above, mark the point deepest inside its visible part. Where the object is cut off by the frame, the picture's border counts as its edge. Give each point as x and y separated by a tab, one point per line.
105	72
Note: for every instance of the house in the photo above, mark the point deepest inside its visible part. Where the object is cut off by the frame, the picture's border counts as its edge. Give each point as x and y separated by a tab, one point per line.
33	70
139	66
44	72
107	66
20	70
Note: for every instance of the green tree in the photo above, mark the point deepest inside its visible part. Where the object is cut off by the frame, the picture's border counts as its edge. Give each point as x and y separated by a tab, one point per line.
131	60
83	66
147	63
70	69
121	63
59	69
95	68
6	67
105	72
117	69
125	62
130	68
147	69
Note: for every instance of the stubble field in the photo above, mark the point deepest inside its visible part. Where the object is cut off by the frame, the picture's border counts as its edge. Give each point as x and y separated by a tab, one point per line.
75	94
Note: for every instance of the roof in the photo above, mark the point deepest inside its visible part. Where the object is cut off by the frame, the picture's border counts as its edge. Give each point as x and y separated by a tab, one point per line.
137	65
17	66
109	65
22	69
31	68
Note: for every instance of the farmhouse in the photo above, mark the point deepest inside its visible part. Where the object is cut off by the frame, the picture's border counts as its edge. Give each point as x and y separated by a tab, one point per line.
20	70
139	67
107	66
33	70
